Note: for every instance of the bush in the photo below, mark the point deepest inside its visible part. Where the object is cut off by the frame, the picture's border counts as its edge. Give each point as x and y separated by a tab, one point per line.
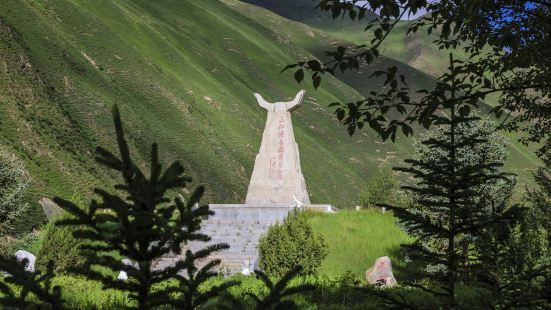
29	242
382	188
13	184
82	293
60	248
291	244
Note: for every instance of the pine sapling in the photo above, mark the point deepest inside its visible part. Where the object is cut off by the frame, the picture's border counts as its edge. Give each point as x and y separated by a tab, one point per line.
139	222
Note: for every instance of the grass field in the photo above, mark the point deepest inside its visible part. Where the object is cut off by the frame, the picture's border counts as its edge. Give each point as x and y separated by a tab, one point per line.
356	238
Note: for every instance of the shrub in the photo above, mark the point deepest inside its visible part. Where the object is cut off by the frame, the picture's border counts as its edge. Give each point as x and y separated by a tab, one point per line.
291	244
60	248
382	188
29	242
13	184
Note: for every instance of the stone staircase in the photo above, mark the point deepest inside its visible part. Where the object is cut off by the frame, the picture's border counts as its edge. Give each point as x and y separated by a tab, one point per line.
240	226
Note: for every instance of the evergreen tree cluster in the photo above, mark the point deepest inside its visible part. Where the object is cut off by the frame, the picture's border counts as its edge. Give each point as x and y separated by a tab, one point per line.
468	233
140	222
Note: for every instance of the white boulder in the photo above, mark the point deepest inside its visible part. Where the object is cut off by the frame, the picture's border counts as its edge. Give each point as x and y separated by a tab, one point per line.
247	268
381	273
21	255
123	276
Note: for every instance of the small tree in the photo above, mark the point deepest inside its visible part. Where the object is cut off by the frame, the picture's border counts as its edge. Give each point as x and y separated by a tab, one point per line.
449	187
381	187
13	183
291	244
140	222
493	194
516	258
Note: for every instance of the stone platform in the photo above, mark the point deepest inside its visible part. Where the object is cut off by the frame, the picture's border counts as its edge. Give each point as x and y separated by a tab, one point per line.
276	187
240	226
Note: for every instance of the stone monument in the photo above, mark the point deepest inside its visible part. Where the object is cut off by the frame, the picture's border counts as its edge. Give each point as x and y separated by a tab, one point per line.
277	177
276	187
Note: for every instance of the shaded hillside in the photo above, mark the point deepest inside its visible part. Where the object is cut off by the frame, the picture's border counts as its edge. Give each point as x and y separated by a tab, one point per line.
415	49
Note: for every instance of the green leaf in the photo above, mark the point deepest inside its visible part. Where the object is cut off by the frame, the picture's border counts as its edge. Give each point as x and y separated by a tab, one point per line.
299	75
316	79
314	65
464	111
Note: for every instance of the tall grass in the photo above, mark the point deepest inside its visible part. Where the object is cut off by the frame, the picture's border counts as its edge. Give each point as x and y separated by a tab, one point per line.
356	238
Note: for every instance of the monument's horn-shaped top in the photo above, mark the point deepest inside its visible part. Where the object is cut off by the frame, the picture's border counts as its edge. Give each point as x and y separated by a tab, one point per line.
277	177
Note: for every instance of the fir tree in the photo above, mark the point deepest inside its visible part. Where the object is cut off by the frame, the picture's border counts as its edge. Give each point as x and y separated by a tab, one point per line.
278	296
516	257
448	189
139	222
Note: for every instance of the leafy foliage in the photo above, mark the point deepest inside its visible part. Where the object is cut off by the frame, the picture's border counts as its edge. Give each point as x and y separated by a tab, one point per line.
291	244
13	183
30	242
60	248
382	187
143	226
507	43
517	264
517	257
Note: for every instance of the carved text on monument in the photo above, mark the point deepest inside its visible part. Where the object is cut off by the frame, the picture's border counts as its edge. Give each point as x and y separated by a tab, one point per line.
277	176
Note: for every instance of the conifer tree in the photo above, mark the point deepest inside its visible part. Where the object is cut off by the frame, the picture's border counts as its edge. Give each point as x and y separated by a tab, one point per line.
445	197
516	257
139	222
278	296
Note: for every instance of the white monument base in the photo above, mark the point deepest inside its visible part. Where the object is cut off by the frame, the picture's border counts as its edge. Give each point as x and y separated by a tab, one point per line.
240	226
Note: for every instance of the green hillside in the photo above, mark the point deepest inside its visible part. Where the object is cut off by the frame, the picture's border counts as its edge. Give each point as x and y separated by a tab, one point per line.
415	50
183	73
325	34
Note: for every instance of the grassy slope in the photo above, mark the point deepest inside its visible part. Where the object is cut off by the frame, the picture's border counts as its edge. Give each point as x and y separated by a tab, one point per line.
416	49
183	73
356	238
